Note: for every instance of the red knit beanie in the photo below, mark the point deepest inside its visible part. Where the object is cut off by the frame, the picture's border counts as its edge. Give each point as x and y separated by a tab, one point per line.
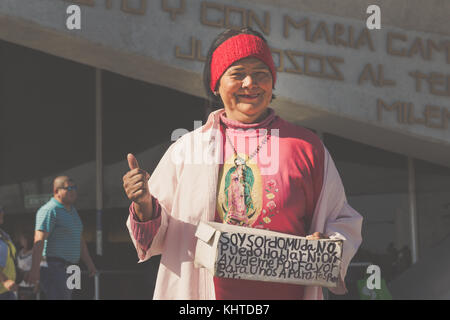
236	48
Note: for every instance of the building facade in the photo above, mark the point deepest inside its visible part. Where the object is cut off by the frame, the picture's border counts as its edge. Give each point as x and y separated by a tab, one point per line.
83	86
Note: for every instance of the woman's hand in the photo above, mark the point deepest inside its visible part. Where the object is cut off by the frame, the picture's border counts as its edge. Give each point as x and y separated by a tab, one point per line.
10	285
135	181
317	236
135	184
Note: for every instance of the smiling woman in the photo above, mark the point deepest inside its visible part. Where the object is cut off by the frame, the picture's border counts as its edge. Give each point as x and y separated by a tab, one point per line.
295	189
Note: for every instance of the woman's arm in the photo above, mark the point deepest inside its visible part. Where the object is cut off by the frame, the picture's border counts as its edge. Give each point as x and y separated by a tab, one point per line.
144	232
336	219
148	234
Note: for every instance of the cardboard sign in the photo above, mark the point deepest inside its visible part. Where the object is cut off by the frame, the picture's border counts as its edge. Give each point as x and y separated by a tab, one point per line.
229	251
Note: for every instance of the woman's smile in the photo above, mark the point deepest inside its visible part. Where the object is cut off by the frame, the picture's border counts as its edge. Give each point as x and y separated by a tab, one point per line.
249	97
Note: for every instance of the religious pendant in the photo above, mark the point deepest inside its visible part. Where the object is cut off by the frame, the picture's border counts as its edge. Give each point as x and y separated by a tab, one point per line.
239	161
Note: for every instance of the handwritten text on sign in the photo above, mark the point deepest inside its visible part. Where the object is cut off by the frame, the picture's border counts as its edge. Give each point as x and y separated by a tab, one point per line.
278	259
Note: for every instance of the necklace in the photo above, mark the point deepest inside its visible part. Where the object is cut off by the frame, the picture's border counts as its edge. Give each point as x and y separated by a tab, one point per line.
239	192
238	160
239	208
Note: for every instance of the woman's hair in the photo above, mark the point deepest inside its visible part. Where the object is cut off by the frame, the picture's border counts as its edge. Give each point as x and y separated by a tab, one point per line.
215	102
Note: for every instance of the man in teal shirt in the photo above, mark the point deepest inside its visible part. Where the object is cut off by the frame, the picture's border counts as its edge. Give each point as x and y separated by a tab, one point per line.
58	238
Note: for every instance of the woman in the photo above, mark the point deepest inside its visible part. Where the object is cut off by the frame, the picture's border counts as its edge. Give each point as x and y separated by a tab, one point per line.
256	170
24	261
8	286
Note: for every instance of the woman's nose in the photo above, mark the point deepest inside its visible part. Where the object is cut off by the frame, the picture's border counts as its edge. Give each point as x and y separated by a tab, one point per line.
248	81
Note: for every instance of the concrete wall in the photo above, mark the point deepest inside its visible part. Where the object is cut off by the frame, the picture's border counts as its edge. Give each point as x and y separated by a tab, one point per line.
337	76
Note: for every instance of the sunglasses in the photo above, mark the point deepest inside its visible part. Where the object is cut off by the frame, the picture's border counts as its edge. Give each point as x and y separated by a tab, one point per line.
69	188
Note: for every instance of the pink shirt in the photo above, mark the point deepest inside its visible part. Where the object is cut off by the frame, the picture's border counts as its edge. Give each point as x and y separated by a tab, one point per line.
281	191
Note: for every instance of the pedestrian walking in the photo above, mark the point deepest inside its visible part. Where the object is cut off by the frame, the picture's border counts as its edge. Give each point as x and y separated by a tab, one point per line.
25	237
58	239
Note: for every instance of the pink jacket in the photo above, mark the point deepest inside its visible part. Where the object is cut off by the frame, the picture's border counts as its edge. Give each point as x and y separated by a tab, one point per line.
186	191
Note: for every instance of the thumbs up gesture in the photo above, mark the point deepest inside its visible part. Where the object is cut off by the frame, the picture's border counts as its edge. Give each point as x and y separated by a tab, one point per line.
135	184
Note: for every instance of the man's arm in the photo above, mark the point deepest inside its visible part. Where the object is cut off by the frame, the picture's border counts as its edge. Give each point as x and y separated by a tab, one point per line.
34	275
86	258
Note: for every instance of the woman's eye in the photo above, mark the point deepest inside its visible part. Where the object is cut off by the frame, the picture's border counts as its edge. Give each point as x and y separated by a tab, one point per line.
262	74
238	75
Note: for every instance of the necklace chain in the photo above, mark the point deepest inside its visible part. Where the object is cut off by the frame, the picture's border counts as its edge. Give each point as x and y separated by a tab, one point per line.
266	138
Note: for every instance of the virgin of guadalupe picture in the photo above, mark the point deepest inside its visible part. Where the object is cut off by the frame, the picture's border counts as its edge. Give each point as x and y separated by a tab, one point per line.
239	192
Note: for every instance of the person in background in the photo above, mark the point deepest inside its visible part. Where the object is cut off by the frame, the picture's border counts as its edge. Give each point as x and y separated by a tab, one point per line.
58	238
24	261
8	286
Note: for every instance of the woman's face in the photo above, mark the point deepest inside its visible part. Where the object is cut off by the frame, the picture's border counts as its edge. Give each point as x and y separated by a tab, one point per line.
246	90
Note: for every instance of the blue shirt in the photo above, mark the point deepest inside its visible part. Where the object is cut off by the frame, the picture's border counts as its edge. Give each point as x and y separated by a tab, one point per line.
64	228
4	248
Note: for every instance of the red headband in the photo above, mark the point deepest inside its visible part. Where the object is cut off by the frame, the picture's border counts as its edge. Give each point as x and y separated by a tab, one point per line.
236	48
